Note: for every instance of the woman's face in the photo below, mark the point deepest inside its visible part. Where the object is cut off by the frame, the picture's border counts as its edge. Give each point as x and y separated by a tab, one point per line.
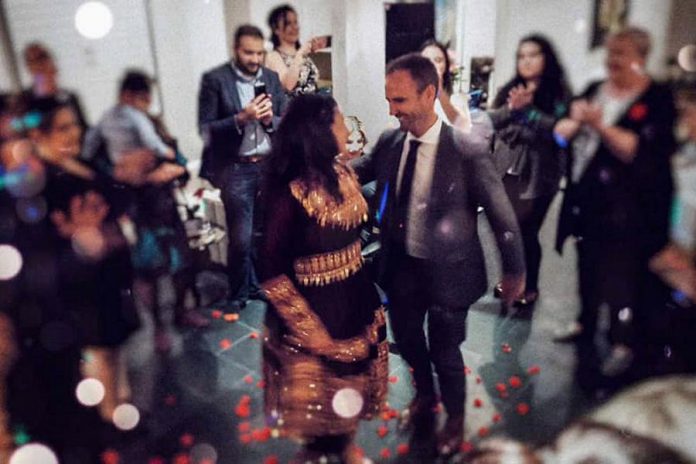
340	131
623	59
63	138
434	54
530	61
288	28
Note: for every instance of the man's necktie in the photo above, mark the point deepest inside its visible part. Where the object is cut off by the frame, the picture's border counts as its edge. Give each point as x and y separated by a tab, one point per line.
403	200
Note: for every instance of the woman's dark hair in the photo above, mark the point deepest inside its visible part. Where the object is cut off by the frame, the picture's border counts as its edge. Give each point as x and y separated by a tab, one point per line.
278	17
447	76
42	113
553	87
304	145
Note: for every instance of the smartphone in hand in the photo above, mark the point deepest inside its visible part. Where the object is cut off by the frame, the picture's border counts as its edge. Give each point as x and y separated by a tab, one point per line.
259	88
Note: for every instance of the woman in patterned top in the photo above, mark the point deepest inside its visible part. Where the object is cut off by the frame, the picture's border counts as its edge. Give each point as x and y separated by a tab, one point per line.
298	73
324	351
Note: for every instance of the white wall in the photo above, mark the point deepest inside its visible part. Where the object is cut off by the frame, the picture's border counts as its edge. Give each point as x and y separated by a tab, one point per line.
189	38
358	62
90	66
568	23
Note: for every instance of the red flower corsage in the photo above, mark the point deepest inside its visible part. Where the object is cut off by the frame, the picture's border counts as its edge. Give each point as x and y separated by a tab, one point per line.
638	112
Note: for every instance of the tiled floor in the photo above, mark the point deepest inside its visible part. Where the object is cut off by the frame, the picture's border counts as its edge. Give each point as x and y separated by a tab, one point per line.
520	383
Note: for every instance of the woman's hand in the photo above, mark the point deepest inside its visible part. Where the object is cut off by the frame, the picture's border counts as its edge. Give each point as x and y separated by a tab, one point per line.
520	97
83	224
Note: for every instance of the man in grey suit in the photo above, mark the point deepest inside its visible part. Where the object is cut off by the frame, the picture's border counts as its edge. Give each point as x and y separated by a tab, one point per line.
432	179
239	104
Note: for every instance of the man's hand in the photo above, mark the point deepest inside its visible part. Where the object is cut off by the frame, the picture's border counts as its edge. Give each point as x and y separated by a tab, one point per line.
259	109
512	287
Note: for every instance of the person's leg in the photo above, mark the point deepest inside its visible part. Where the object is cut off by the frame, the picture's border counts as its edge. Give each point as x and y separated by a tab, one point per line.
446	333
530	225
238	195
408	304
183	316
101	364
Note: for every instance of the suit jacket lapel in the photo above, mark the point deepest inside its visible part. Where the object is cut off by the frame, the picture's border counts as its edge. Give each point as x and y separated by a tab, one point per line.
232	82
441	169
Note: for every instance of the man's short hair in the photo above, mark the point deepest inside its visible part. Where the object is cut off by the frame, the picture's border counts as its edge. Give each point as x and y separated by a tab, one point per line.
136	81
246	30
421	69
640	38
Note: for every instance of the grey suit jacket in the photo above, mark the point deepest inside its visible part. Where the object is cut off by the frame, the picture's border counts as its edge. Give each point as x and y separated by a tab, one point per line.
218	103
463	178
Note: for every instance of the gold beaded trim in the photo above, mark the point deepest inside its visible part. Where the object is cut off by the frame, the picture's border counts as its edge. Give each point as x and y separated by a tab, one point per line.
307	332
325	268
323	207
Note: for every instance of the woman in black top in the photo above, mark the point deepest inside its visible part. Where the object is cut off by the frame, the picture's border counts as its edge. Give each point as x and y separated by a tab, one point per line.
524	113
619	195
86	211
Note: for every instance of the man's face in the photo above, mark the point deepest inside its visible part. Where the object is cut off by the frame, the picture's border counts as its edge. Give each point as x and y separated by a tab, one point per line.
410	107
249	54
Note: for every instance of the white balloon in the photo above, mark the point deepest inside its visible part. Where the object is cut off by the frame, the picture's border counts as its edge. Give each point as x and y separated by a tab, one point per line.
10	262
94	20
33	453
126	417
347	403
90	392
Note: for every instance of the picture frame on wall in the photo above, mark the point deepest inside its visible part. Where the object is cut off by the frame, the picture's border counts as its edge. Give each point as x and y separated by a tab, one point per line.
609	16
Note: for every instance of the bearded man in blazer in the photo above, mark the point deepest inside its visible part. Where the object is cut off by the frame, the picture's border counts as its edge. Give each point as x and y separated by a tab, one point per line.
432	178
236	125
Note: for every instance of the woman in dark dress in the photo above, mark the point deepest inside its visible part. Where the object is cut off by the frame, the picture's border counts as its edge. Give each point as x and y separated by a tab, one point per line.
87	213
325	355
618	199
524	113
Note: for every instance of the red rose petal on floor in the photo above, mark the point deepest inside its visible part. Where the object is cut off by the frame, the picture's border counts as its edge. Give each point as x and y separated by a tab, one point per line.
271	460
242	410
402	449
466	447
244	427
393	379
533	370
382	431
478	379
156	460
170	400
254	335
467	370
217	314
261	384
225	344
110	457
496	418
186	440
515	382
181	458
522	409
483	431
261	435
478	403
501	387
506	348
248	379
359	452
233	317
385	453
245	438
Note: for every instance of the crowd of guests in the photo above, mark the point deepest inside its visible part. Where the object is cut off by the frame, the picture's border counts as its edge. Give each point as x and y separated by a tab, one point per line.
90	211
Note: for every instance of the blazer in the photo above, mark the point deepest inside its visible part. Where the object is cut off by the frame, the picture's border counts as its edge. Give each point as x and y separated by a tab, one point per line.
463	179
218	103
